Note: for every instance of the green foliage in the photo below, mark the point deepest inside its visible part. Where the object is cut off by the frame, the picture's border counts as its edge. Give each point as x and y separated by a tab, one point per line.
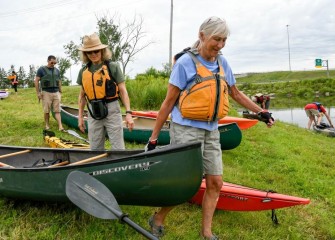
149	91
110	34
63	65
71	50
299	88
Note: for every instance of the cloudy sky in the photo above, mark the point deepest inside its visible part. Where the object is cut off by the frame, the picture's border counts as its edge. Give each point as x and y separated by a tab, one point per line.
32	30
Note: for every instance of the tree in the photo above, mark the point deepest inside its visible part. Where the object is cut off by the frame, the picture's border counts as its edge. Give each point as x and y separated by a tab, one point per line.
63	65
71	50
31	76
4	83
123	40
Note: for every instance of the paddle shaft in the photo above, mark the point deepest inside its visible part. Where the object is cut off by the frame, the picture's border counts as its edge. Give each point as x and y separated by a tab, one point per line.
59	164
89	159
138	228
124	218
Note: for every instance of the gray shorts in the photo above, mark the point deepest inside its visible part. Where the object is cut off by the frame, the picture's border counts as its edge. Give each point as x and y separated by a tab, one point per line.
210	145
112	124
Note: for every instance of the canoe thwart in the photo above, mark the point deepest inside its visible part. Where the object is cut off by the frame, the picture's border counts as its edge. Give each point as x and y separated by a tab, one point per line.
91	159
14	154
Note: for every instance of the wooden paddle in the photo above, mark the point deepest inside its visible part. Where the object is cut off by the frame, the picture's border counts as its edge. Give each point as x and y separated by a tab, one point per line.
59	164
89	159
14	154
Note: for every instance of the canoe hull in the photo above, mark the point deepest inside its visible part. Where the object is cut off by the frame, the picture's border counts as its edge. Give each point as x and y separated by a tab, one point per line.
328	131
163	177
230	134
4	94
242	123
235	197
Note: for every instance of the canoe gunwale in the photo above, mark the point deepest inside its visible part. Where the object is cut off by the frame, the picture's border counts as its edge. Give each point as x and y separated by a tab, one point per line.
134	157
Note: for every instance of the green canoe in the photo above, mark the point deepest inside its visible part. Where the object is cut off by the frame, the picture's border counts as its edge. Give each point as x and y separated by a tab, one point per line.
166	176
230	134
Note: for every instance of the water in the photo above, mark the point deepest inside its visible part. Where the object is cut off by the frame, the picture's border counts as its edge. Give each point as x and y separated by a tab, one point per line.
297	116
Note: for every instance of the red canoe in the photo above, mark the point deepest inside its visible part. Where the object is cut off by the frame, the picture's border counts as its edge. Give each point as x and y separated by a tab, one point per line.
235	197
243	123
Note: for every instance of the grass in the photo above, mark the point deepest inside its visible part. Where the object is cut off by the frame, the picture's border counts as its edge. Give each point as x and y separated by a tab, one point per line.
285	158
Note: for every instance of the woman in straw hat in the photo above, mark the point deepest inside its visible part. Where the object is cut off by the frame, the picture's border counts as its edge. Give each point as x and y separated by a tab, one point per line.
205	53
102	85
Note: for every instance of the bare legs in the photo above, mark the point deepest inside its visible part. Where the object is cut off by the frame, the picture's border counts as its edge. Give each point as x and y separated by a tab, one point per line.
213	187
46	120
58	119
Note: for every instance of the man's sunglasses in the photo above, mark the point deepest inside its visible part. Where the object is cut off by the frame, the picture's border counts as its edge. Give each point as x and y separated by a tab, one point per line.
53	63
95	52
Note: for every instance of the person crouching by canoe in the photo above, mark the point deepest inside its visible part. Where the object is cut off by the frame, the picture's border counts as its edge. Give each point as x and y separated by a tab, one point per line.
191	70
48	87
262	100
316	109
102	84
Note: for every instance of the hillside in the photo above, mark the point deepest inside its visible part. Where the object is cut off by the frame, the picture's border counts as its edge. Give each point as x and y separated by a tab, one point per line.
284	76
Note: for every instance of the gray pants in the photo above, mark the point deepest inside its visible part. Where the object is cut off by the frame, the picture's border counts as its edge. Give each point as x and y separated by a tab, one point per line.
112	124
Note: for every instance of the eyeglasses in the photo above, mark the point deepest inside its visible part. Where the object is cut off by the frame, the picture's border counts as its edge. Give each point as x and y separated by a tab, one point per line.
53	63
95	52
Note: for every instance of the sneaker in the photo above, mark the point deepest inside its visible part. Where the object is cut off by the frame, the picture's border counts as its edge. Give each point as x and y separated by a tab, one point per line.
157	231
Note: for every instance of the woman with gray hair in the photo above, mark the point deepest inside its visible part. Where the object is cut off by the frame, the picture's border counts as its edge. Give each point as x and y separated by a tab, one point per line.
102	85
202	63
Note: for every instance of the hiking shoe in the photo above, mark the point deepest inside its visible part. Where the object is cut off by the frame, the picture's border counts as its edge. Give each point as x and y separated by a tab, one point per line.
157	231
213	237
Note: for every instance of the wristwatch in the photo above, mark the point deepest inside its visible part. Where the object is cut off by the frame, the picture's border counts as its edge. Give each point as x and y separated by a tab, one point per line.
128	112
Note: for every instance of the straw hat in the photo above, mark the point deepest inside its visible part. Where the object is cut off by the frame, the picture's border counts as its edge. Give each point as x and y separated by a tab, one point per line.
91	43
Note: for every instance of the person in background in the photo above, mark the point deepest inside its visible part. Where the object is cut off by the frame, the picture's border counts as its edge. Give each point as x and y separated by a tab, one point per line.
48	87
14	79
262	100
316	109
204	56
102	84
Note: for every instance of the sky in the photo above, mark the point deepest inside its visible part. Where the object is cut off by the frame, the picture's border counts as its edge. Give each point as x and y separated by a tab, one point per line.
276	35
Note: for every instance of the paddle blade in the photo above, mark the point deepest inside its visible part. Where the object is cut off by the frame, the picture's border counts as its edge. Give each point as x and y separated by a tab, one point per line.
92	196
75	134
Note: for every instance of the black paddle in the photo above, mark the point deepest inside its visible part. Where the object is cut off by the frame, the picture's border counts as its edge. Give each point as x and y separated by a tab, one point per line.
74	133
96	199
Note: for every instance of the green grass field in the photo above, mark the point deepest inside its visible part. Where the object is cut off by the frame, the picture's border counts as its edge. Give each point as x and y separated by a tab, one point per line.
285	158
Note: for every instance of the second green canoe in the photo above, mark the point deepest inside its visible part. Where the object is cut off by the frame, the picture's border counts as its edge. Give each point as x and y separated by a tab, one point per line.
230	134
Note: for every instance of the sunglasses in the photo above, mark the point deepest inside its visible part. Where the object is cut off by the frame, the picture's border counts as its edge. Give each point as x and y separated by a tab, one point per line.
95	52
53	63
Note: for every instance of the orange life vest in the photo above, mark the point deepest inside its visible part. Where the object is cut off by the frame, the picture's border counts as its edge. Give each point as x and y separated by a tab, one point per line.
206	99
99	85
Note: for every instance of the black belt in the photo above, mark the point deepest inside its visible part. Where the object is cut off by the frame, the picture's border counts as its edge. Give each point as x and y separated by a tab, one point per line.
111	100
